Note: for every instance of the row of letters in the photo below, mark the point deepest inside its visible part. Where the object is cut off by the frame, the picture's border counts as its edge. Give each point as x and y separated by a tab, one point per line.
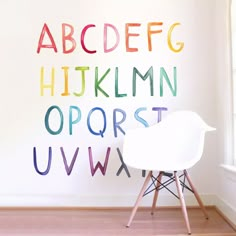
69	167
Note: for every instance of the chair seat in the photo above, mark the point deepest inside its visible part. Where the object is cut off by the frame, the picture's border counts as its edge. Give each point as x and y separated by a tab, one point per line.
176	143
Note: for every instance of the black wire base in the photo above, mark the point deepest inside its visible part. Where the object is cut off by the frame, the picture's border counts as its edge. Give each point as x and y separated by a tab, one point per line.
157	185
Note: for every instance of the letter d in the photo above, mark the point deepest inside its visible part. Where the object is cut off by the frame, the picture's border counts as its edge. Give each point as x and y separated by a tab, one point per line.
106	49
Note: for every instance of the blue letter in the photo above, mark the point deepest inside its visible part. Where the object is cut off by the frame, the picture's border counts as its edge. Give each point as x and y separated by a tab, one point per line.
47	118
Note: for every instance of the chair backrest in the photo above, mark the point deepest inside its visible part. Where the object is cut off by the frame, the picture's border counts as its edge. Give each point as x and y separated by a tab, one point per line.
175	143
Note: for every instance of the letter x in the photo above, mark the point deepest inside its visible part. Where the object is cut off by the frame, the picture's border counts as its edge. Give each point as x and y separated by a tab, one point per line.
123	165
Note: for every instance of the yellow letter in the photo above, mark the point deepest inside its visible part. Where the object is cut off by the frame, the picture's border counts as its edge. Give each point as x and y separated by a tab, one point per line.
43	86
66	92
181	44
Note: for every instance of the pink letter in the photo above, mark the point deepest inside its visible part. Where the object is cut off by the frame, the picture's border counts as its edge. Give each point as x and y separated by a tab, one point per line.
105	38
40	43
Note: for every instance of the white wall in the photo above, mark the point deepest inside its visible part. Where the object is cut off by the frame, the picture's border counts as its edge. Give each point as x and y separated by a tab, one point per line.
200	68
226	177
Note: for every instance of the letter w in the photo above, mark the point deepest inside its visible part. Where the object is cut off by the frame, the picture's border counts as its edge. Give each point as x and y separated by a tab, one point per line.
98	165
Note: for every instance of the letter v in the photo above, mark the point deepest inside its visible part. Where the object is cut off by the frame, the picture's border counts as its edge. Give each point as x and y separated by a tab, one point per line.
69	168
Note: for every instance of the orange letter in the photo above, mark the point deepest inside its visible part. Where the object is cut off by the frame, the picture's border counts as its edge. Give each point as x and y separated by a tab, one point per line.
150	32
68	37
40	43
127	35
181	44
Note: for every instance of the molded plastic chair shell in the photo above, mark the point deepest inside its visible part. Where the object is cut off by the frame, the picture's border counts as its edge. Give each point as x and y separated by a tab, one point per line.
175	143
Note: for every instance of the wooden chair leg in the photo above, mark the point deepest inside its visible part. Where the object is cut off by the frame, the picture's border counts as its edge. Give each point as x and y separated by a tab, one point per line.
196	194
156	192
139	198
182	202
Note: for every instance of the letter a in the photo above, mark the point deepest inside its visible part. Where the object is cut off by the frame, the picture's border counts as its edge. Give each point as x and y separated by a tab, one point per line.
40	43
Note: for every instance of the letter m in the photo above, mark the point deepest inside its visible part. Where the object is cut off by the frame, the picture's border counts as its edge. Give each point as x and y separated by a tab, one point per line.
149	74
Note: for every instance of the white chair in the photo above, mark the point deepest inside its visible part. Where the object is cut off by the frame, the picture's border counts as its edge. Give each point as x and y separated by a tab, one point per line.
172	145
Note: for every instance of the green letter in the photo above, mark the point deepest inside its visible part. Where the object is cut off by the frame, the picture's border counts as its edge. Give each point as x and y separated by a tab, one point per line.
149	73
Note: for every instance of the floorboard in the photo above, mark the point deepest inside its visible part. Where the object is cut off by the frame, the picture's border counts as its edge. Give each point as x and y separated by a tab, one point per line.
112	222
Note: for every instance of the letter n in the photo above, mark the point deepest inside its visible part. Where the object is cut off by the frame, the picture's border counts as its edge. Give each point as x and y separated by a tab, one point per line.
164	75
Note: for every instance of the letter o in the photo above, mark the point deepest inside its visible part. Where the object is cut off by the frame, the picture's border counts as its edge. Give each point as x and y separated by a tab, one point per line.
46	120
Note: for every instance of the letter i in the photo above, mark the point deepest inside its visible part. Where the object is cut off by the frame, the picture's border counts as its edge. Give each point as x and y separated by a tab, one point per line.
66	92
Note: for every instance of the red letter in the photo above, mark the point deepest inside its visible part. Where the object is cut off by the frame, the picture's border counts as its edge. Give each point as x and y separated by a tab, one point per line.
68	37
150	32
82	39
127	35
40	45
105	38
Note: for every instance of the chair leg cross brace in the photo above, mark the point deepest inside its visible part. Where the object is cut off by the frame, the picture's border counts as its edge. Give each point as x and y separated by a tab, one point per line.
157	184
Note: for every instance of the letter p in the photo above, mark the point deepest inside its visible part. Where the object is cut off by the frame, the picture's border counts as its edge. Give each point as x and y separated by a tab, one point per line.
73	120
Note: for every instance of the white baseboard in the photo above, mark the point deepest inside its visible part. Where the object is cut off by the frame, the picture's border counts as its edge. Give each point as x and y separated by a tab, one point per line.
226	209
96	201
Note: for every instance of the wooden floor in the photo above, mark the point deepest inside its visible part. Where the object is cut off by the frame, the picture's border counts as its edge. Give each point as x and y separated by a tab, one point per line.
112	222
